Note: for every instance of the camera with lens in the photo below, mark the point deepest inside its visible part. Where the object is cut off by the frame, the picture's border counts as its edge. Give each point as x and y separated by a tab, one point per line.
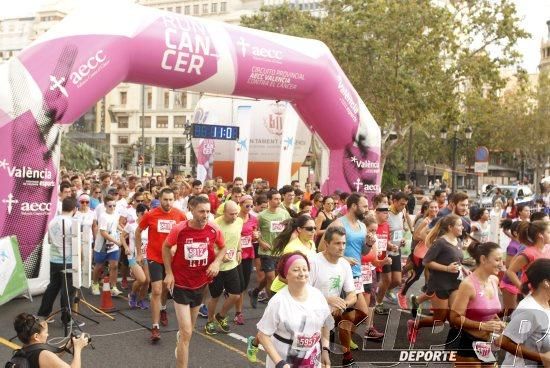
76	334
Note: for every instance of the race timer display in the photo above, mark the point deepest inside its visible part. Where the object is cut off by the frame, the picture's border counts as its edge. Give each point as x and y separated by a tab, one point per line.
208	131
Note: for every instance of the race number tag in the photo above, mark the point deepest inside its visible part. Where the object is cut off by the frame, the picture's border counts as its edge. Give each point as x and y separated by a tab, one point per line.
230	254
382	245
305	342
276	226
164	226
366	274
397	236
196	252
246	241
358	283
483	351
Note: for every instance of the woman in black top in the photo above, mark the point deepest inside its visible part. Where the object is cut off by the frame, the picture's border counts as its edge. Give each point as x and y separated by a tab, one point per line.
443	259
324	218
31	331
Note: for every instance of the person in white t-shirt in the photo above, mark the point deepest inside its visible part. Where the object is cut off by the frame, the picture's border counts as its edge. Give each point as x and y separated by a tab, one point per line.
331	274
526	338
296	319
138	296
107	246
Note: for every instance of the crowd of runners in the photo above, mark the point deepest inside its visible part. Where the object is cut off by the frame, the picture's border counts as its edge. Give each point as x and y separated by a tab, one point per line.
323	264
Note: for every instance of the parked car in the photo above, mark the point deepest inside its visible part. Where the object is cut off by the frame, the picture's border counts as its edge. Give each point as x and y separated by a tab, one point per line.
521	194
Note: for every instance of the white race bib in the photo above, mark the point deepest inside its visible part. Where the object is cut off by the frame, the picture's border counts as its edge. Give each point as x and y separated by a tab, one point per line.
276	226
305	342
382	244
366	274
231	254
397	237
164	226
358	283
246	241
483	351
194	252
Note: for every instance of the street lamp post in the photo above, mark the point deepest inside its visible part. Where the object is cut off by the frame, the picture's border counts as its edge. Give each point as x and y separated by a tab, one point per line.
455	140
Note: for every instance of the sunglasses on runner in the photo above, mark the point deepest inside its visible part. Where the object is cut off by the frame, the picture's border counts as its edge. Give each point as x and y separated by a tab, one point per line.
309	228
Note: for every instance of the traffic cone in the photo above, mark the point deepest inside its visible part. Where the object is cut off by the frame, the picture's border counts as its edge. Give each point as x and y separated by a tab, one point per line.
106	299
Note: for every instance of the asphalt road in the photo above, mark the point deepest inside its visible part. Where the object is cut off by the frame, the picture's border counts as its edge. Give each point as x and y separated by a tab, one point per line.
124	342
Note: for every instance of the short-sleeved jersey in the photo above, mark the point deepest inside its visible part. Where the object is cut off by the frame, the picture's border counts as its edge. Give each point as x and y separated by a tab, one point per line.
159	223
195	252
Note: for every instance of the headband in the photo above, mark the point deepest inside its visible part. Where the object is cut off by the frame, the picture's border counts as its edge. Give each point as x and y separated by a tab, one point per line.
289	263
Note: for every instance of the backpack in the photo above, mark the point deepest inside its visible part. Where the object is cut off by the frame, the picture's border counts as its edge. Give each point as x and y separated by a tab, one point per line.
20	357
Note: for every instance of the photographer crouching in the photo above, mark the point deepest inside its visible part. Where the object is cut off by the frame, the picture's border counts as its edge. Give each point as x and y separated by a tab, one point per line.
33	333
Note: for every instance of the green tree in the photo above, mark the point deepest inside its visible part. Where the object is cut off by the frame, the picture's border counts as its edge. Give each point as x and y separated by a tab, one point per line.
410	61
77	156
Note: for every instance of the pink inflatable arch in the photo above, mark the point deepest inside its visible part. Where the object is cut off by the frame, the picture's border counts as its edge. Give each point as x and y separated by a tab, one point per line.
67	70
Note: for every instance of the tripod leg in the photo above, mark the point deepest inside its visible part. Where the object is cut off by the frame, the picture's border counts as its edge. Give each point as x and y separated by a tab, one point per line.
95	309
88	318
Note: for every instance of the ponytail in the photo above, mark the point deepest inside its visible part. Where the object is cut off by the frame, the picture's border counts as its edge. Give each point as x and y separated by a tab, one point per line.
529	231
440	228
283	238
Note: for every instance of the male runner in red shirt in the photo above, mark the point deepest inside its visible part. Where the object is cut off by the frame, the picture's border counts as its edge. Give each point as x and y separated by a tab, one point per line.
159	222
193	266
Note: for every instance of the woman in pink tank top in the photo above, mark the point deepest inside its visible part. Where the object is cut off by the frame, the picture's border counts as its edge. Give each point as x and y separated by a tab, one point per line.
536	236
475	309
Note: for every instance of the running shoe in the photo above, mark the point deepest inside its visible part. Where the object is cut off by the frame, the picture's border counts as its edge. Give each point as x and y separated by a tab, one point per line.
115	291
132	300
155	334
353	345
223	323
348	361
373	334
381	309
262	296
203	311
251	350
210	328
95	289
124	283
143	304
164	317
411	331
402	301
253	298
390	297
239	319
415	307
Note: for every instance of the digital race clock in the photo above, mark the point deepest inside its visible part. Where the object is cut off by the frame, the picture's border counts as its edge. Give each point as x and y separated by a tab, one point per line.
209	131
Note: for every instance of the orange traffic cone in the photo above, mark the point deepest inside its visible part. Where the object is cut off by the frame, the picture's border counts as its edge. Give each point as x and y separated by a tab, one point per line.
106	299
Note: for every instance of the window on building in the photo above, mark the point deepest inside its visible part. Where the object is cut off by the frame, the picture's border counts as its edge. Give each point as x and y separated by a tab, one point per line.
166	100
195	9
180	100
179	122
214	8
149	100
162	151
187	10
123	98
122	122
169	8
223	7
162	122
178	9
122	139
178	151
205	8
147	122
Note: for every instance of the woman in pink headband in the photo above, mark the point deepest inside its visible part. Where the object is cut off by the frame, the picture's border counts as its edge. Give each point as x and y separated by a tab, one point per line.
296	324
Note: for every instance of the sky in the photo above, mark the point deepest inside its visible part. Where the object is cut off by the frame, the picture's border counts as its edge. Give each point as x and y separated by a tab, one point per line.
534	14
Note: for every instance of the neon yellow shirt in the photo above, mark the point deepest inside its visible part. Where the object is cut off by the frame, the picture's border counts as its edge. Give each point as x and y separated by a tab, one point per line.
295	245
